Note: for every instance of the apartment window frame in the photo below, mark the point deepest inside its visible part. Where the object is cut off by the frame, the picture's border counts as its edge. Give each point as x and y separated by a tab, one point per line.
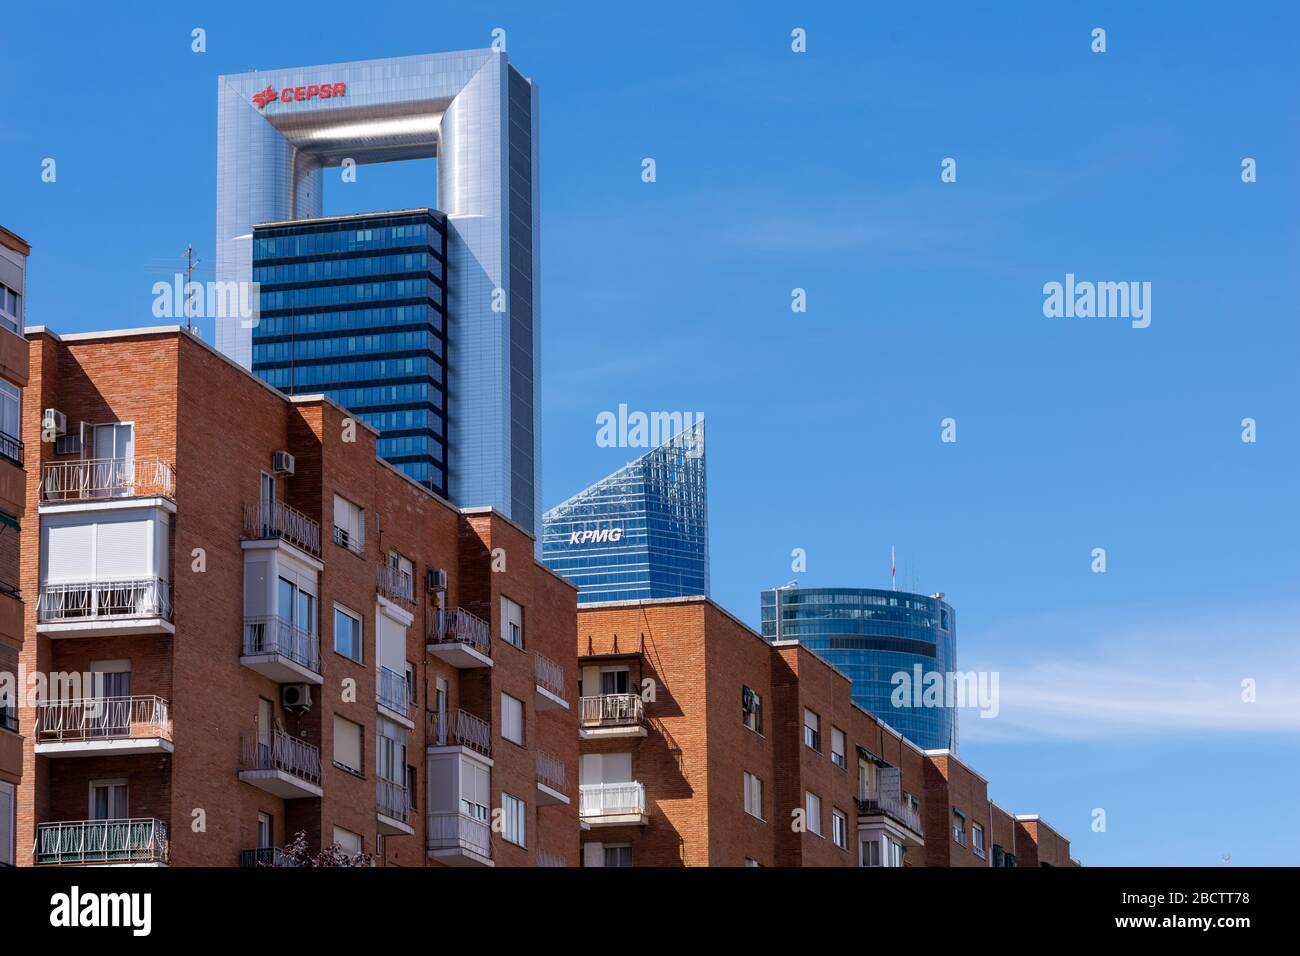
812	732
358	771
622	851
812	805
753	785
839	828
751	709
977	840
351	538
11	400
506	724
958	827
11	309
514	820
512	632
839	757
360	633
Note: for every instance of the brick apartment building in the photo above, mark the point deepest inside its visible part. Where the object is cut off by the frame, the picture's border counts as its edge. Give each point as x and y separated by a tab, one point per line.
13	496
278	632
704	745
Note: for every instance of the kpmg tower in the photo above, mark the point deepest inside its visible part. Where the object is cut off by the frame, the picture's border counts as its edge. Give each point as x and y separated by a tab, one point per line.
454	391
871	635
642	532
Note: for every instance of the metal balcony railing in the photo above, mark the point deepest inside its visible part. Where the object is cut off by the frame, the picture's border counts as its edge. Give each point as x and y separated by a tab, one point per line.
391	690
102	841
395	584
276	750
346	539
265	520
452	830
460	729
891	805
551	772
611	799
102	718
270	634
391	799
266	856
612	710
458	626
91	600
11	448
550	675
93	478
545	858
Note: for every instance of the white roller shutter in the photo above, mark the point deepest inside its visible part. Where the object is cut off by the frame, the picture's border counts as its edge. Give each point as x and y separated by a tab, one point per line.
68	552
122	550
347	743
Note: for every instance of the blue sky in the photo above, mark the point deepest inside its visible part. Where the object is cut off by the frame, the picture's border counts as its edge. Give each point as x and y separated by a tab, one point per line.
778	170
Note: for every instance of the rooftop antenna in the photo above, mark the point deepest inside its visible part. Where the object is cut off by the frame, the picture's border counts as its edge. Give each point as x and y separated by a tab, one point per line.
190	263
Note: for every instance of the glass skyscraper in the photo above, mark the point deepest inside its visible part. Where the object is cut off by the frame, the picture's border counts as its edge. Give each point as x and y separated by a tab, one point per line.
281	133
355	307
642	532
871	635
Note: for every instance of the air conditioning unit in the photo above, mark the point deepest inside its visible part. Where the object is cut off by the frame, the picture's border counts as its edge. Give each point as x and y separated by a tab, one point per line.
67	445
282	463
435	580
296	696
54	420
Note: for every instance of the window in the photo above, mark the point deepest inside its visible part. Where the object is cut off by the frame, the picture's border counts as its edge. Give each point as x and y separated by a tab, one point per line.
390	752
115	441
412	786
473	789
977	839
614	680
295	605
870	853
512	719
895	853
347	841
753	796
11	316
998	858
512	623
751	710
959	827
837	749
349	525
812	735
11	406
813	808
513	811
347	744
265	832
618	855
866	780
840	829
108	800
402	575
347	634
410	683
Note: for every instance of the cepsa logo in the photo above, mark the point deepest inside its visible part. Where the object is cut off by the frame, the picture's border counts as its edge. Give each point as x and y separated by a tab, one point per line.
588	537
299	94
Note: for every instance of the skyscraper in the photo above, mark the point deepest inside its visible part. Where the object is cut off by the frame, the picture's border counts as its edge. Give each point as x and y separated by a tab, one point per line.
356	307
641	532
279	131
871	635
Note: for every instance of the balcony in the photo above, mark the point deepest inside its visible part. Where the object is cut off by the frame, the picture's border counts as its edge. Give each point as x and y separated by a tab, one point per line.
552	780
103	726
396	585
276	521
460	729
100	608
134	842
611	715
612	804
458	839
353	542
550	683
97	479
459	638
266	856
392	808
393	696
279	764
11	449
280	650
888	810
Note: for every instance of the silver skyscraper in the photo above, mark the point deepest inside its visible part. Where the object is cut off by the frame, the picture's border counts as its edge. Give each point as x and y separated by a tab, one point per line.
277	133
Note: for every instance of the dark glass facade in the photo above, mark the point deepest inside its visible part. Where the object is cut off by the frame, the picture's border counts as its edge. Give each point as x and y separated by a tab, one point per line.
640	533
871	635
355	307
